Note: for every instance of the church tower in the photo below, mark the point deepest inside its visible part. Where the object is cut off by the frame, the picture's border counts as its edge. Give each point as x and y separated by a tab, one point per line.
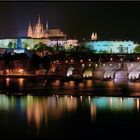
47	26
39	22
39	31
94	36
30	31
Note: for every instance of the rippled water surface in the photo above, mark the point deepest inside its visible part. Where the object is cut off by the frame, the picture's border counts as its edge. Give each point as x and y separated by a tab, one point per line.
84	87
67	116
69	109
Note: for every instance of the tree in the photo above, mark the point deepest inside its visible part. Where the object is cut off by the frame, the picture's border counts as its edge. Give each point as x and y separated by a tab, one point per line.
10	45
137	49
40	46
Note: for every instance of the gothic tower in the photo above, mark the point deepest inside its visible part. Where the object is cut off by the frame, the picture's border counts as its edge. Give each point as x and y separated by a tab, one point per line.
30	31
41	31
94	36
47	27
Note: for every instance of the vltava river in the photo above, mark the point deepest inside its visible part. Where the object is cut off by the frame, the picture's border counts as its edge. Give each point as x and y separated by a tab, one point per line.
68	109
42	86
68	117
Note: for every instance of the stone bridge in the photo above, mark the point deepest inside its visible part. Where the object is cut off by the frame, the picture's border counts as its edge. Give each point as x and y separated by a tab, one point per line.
114	70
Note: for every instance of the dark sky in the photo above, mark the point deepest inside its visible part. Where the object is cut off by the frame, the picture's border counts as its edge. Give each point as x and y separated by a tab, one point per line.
111	20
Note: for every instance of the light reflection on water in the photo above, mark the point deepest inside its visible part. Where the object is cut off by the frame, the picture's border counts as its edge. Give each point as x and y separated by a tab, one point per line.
87	87
39	110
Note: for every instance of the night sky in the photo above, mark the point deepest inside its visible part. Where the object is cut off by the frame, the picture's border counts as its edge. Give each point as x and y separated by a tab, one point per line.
111	20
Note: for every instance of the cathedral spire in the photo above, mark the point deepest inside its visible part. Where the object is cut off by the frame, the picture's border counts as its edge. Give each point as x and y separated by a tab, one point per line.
39	22
94	36
47	27
30	32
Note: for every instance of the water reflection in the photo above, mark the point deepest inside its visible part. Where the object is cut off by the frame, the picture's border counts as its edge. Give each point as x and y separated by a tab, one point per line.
71	84
113	104
7	81
40	111
82	86
56	83
110	84
89	83
21	82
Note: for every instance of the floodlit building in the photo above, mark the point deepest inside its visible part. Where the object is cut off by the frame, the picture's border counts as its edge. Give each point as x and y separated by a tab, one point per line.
41	31
111	46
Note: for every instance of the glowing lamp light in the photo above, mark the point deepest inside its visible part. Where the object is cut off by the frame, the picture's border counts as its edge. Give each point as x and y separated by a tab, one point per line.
121	59
71	60
81	60
96	65
89	59
83	65
111	58
20	70
54	62
66	61
7	70
138	58
57	61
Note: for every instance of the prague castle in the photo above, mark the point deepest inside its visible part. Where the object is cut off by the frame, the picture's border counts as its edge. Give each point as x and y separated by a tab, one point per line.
39	31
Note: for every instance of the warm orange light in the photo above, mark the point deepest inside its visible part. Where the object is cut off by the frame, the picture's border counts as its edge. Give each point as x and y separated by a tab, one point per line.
7	71
21	70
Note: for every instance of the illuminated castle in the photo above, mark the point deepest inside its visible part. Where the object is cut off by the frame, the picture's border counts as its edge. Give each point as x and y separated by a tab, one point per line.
39	31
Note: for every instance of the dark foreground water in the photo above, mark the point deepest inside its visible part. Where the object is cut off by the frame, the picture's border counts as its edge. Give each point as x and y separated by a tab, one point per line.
68	116
69	109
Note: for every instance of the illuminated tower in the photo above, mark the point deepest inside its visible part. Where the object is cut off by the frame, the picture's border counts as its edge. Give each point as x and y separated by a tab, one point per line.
39	31
94	36
47	27
30	31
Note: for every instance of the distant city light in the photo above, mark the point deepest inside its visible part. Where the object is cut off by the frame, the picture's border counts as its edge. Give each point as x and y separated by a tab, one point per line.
72	60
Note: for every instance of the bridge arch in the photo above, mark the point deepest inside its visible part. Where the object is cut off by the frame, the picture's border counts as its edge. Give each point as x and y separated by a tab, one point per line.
70	71
88	72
